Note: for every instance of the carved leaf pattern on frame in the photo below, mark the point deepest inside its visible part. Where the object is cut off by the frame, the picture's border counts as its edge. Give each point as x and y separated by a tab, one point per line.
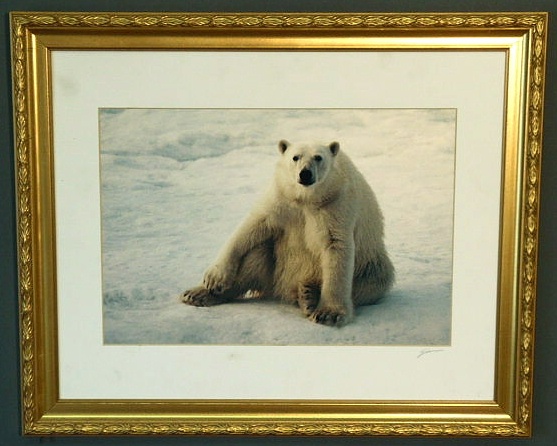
392	21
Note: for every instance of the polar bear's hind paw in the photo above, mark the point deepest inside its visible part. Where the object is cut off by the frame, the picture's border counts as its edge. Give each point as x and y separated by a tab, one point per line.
201	297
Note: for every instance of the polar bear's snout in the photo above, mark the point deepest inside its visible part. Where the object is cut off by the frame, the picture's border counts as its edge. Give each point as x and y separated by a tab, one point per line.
306	177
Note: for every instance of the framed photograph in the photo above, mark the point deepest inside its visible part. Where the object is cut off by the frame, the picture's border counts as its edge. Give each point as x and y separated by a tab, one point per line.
278	224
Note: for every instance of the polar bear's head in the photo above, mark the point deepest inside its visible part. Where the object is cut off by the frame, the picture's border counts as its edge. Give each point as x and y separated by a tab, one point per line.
308	164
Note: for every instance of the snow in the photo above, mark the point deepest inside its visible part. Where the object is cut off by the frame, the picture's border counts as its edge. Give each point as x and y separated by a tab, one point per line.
176	182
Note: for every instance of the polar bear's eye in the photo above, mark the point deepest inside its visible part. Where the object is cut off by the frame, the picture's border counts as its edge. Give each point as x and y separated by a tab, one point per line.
296	158
318	158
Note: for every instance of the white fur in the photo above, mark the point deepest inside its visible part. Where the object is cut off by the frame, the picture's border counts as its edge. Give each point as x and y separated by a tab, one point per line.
315	238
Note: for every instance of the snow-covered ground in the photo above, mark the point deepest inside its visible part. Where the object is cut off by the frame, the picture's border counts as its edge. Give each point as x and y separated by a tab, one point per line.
175	184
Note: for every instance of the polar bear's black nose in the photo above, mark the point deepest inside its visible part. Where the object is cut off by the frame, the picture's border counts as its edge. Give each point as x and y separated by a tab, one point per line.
306	177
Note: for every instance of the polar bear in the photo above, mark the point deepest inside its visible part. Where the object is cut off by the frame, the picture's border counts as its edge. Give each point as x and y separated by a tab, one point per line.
315	239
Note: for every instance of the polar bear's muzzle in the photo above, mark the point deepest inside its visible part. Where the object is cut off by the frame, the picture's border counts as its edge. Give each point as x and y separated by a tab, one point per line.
306	177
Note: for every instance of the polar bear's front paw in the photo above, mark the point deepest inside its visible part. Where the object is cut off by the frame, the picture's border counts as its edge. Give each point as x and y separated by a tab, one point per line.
332	318
218	279
201	297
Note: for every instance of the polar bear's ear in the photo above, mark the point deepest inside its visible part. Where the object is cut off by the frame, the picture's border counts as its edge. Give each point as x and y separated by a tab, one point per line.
283	145
334	147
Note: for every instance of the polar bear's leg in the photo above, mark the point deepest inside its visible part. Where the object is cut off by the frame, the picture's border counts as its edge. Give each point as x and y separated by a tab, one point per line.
254	274
256	231
335	306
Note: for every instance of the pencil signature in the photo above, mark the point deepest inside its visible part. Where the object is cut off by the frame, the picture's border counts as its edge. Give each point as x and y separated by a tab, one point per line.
427	351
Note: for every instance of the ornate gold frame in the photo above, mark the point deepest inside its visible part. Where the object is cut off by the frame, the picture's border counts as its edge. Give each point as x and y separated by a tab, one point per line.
521	35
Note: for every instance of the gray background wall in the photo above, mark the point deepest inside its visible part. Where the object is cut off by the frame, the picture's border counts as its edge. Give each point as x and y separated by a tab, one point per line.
545	397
